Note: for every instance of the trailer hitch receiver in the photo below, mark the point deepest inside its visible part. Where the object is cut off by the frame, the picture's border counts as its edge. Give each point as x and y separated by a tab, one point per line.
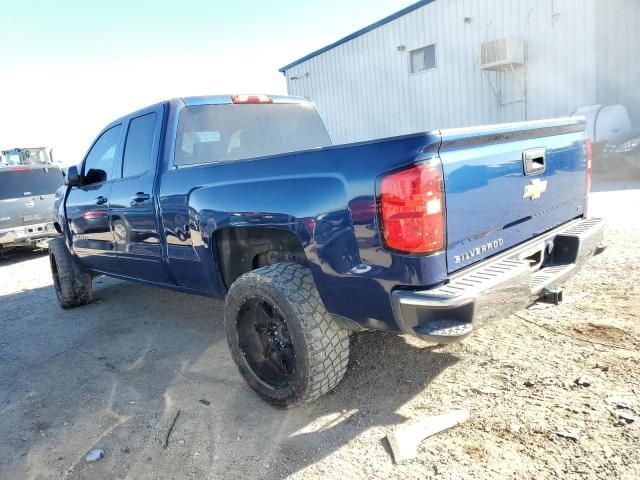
551	295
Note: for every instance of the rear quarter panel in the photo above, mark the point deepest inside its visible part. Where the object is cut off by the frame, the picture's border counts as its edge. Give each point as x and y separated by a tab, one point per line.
327	197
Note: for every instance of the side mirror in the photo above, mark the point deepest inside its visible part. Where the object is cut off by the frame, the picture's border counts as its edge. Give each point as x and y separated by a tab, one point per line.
73	177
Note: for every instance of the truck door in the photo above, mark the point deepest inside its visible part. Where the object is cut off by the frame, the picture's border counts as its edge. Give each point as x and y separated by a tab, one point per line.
133	204
88	205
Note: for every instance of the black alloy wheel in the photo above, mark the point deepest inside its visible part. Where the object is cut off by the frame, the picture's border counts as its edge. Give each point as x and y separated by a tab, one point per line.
265	342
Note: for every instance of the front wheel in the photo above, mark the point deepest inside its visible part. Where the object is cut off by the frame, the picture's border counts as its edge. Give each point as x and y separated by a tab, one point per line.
288	348
72	284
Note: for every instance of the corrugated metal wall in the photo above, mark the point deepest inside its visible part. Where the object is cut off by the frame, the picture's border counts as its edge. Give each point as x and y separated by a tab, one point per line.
618	43
364	89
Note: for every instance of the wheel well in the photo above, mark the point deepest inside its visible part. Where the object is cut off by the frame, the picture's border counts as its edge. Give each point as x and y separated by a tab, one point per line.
243	249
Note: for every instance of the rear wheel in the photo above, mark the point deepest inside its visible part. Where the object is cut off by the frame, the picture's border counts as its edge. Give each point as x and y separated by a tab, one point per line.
288	348
71	282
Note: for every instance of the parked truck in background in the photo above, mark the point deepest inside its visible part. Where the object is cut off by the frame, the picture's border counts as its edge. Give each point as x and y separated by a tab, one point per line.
244	197
27	197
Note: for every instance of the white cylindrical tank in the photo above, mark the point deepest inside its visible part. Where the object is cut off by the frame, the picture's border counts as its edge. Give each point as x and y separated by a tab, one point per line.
604	122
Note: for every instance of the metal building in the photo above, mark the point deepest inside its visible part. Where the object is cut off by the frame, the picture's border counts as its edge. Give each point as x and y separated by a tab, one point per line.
451	63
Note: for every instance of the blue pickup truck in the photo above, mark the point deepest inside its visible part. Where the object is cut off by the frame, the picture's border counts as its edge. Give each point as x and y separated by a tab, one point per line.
244	197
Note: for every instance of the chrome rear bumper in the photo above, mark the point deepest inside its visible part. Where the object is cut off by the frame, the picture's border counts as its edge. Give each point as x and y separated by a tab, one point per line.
497	287
27	234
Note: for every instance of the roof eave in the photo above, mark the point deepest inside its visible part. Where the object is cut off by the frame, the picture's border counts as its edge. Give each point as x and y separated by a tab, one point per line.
358	33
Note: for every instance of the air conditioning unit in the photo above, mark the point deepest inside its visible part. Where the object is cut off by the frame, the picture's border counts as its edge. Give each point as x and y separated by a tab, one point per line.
502	54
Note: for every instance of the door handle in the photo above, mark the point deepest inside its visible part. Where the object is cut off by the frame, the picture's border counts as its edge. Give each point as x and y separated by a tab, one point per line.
140	197
101	200
534	160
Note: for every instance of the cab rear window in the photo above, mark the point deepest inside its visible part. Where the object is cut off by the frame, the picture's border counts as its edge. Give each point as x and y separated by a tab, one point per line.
18	182
222	133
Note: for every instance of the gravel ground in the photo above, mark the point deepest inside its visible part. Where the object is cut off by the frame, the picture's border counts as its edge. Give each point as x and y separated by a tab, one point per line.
112	375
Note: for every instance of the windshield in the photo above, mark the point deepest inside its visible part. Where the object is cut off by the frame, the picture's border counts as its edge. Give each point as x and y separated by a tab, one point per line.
220	133
27	182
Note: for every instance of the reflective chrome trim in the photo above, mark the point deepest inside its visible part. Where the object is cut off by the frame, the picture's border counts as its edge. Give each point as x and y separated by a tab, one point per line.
25	232
500	285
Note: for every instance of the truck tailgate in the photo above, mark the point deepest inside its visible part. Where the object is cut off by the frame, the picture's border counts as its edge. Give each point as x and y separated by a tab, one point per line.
492	202
27	194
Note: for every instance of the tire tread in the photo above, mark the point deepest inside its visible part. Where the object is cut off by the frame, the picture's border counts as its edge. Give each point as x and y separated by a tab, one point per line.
327	343
74	287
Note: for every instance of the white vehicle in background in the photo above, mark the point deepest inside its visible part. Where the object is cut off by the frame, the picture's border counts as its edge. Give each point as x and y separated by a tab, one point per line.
623	151
604	122
615	142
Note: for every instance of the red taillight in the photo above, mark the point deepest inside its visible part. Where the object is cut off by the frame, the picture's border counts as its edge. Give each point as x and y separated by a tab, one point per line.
589	153
412	209
19	168
251	99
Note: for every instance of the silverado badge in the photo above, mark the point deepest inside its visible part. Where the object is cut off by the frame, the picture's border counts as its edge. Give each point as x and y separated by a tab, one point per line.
481	250
535	189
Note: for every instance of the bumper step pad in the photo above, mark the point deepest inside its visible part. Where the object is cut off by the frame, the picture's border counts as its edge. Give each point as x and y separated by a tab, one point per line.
497	287
443	331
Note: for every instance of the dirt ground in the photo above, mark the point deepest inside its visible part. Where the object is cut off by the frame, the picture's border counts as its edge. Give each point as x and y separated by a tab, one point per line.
112	375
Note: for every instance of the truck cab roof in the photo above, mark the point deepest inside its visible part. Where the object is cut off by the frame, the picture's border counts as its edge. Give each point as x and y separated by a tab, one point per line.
226	99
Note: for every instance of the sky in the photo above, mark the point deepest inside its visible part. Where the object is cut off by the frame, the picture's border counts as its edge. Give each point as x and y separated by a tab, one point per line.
71	67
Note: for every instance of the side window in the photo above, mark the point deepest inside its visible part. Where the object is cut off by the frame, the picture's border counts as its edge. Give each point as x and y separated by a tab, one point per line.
139	145
98	165
423	59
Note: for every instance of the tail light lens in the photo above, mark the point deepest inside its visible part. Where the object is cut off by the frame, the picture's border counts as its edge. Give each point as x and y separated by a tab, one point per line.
589	153
412	209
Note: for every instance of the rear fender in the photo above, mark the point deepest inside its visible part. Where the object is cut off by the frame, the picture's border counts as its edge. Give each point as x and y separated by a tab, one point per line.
321	223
